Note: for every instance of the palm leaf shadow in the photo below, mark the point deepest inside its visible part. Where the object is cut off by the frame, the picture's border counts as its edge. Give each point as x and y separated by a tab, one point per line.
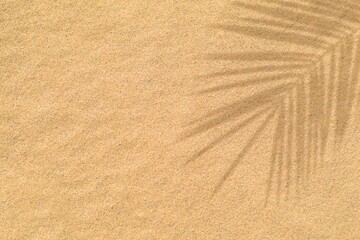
314	93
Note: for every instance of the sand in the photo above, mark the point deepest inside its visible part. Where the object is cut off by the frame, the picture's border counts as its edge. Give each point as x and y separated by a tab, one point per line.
179	119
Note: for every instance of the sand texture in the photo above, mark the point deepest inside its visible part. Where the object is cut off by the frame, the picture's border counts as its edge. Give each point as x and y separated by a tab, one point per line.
208	119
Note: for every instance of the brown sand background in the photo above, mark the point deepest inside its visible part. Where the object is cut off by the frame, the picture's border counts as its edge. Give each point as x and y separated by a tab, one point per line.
95	96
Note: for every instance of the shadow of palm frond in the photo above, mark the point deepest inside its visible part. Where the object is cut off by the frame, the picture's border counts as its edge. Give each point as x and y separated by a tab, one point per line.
313	94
